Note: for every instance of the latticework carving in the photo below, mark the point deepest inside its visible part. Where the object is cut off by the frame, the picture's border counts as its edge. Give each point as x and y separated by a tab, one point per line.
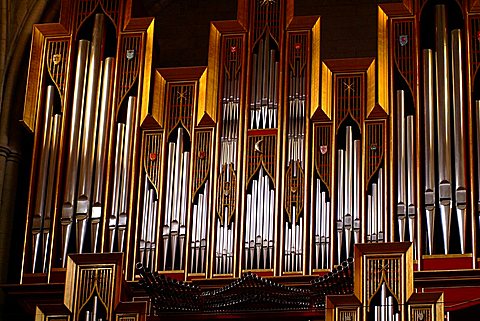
375	148
349	98
404	50
58	52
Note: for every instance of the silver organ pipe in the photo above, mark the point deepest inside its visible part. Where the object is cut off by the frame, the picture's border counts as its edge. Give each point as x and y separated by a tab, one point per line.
87	142
148	236
348	189
357	169
126	169
101	151
42	200
348	193
113	217
450	140
146	204
411	206
263	104
429	128
406	207
89	130
198	239
49	202
174	227
369	220
443	124
459	136
340	201
93	315
401	163
375	210
261	218
380	208
385	310
74	146
168	203
123	155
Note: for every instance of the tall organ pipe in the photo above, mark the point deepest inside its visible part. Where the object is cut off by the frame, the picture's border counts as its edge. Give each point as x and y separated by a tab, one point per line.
340	201
459	136
356	188
411	209
50	201
348	188
401	199
113	219
443	124
429	128
101	151
73	145
90	124
40	201
125	168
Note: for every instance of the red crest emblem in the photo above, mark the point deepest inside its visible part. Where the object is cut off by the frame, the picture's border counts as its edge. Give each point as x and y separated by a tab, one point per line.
323	149
403	39
298	46
153	156
202	154
233	49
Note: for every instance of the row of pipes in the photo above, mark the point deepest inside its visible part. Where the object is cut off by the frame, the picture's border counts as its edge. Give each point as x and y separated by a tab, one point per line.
445	190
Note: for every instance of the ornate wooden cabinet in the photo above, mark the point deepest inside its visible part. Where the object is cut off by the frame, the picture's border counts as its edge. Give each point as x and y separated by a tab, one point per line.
269	160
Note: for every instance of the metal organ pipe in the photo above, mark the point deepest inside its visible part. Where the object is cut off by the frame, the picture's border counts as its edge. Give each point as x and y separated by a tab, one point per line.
39	209
443	123
174	229
101	151
49	202
348	193
449	92
401	163
357	169
89	130
380	208
125	170
263	104
429	131
340	202
348	188
459	136
199	231
260	216
74	146
113	218
411	208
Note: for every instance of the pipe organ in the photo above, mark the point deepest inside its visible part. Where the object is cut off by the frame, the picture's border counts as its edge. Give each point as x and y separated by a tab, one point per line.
269	160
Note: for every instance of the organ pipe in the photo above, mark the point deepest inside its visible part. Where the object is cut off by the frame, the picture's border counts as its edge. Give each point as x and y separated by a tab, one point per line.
459	136
89	130
429	132
41	200
73	145
443	123
401	163
101	151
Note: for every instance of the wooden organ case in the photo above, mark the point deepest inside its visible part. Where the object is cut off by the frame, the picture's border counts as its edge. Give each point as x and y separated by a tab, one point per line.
267	161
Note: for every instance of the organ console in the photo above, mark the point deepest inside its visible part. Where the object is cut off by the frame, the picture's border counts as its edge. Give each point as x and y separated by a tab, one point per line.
270	168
